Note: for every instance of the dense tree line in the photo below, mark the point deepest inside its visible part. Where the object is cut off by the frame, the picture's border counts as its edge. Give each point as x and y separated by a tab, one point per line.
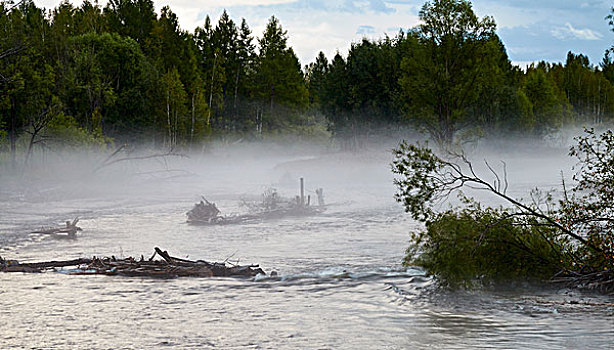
451	76
88	75
91	74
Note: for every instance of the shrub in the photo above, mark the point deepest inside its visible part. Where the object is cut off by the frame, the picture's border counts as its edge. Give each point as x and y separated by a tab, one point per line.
572	238
478	245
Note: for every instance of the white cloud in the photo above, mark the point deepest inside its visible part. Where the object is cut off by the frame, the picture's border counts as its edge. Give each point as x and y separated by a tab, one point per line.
528	28
569	32
314	31
365	30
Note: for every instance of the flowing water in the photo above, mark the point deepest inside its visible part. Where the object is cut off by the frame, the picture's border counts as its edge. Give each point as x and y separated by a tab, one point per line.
340	282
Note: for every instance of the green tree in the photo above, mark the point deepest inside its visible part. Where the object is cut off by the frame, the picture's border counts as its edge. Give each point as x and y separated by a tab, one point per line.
27	98
167	41
226	40
334	96
175	104
132	18
607	66
373	70
587	89
200	125
315	73
548	106
279	82
241	69
89	19
63	26
451	55
500	106
176	51
111	85
571	238
210	60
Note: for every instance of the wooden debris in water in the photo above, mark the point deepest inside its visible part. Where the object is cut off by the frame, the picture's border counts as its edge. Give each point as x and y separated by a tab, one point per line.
272	206
601	281
70	229
204	211
168	267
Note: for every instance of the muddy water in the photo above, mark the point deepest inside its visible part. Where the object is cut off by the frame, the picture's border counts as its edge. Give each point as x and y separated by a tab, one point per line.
340	283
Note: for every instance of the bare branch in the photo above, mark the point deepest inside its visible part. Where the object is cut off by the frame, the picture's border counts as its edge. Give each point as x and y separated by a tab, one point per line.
505	176
497	183
170	153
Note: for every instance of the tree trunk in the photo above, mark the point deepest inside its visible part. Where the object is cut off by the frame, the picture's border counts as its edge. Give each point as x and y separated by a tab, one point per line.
211	87
31	145
236	88
176	128
13	134
168	113
272	98
193	121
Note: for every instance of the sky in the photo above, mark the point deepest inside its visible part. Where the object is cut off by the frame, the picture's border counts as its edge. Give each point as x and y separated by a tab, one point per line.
532	30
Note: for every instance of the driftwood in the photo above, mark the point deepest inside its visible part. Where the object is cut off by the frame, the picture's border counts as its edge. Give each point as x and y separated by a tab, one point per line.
272	206
205	212
168	267
112	158
71	229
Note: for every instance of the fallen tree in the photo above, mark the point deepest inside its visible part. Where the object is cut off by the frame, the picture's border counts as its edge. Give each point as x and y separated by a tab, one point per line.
568	240
128	156
70	229
167	267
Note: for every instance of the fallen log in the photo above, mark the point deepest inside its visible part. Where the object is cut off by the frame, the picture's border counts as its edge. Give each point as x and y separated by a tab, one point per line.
50	264
71	229
168	267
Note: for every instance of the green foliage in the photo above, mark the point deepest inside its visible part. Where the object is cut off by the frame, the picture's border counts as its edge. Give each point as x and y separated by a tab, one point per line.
451	58
314	74
547	109
361	92
475	245
589	209
109	73
108	69
418	184
279	85
63	131
131	18
333	93
451	76
175	104
607	65
535	240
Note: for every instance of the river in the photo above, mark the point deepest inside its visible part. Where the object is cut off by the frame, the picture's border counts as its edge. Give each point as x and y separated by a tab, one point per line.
340	282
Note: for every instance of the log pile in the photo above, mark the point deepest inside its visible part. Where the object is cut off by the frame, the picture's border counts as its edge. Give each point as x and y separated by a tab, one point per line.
204	212
168	267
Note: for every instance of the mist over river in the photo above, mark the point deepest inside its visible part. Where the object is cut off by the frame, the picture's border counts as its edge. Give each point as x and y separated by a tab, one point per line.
340	282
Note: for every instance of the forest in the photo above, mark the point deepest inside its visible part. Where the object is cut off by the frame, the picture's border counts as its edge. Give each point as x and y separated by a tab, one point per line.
92	77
